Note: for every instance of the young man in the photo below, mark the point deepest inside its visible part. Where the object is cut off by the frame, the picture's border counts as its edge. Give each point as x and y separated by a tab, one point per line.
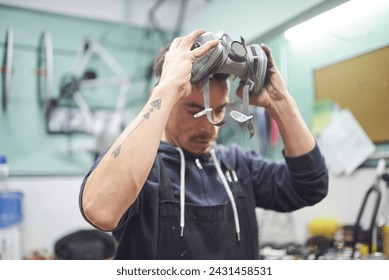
168	191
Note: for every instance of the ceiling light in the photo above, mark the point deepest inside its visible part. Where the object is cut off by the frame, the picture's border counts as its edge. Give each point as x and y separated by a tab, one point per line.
345	21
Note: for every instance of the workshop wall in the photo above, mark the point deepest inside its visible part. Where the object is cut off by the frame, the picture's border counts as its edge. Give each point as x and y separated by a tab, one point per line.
322	47
24	140
316	47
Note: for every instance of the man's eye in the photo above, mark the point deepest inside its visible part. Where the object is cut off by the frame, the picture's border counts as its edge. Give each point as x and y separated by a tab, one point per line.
193	112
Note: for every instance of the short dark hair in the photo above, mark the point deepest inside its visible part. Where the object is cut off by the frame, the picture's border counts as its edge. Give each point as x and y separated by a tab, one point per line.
159	60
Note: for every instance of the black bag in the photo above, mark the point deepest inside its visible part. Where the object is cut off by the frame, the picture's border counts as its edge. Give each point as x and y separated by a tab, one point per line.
85	245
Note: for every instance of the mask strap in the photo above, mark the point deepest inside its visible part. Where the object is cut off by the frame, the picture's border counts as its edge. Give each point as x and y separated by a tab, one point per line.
207	110
245	116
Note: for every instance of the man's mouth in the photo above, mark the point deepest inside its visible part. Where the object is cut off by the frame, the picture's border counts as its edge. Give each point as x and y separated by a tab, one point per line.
203	140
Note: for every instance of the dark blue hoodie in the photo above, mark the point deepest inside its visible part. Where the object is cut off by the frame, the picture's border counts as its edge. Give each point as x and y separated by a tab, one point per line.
283	187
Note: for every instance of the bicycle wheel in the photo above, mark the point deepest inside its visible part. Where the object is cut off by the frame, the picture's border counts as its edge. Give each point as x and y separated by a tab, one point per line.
7	68
44	69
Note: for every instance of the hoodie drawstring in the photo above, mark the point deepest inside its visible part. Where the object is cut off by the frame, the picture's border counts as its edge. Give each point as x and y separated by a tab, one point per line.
182	191
225	184
229	193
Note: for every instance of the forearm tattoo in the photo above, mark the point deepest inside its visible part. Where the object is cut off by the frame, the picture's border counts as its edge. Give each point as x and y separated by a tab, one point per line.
156	104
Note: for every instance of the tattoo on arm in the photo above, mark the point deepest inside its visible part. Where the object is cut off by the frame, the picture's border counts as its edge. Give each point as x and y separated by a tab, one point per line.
156	104
116	151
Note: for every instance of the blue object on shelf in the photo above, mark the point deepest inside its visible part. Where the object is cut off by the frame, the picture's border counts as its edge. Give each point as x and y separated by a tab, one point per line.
3	159
10	208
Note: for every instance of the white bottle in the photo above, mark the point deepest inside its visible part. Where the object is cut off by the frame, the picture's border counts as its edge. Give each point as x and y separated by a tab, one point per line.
4	173
10	216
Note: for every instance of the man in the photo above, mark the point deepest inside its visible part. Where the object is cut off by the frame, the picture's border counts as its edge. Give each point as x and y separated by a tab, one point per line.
168	191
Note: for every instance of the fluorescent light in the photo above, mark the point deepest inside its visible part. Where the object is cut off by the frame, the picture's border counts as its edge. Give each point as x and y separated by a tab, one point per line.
338	22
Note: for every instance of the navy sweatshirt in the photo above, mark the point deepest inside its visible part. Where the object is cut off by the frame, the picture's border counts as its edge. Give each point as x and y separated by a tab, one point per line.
284	187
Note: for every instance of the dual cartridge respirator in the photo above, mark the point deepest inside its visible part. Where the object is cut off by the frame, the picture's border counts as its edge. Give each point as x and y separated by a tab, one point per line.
248	63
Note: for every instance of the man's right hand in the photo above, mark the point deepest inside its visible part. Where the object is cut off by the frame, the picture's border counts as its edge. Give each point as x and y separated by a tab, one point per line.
179	60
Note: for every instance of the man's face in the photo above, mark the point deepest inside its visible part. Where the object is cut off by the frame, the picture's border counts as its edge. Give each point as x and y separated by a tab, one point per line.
196	135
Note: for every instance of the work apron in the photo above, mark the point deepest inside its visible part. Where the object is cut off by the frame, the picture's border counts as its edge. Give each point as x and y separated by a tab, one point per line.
209	231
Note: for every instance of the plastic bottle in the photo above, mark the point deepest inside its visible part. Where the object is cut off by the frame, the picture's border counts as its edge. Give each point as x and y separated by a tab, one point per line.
4	173
10	216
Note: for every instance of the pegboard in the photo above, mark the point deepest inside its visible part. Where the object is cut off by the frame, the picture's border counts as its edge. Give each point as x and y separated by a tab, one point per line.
360	84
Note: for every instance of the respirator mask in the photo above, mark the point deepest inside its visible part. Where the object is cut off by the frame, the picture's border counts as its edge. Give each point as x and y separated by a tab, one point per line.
248	63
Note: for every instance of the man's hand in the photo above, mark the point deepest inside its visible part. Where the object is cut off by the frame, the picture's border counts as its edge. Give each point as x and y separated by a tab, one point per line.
274	89
179	60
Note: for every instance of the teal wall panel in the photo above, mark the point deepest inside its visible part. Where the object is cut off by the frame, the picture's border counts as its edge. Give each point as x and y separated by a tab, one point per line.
23	138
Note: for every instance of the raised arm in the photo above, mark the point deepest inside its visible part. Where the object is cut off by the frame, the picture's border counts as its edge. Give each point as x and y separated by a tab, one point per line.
281	106
117	180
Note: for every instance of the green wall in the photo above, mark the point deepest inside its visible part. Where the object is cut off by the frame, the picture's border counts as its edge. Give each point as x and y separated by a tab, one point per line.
23	138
